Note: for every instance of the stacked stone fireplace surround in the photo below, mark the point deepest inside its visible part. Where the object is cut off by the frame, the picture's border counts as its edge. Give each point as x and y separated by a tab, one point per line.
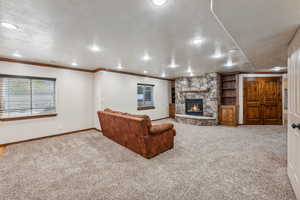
211	98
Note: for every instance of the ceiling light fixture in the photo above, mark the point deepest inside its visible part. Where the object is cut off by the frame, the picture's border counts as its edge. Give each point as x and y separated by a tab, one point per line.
74	63
229	62
197	41
159	2
189	70
120	66
173	64
218	54
191	74
163	75
277	69
145	72
95	48
9	26
146	57
17	55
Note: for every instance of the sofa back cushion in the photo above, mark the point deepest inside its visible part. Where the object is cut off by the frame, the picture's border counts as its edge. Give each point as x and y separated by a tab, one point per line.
145	117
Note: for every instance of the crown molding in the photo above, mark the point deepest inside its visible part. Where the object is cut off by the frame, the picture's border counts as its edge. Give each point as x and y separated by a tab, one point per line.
40	64
131	73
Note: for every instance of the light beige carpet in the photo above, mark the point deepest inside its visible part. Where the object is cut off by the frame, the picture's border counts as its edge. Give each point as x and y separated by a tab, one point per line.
207	163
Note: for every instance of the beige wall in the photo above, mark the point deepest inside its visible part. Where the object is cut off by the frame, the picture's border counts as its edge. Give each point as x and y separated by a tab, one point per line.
78	96
74	100
119	92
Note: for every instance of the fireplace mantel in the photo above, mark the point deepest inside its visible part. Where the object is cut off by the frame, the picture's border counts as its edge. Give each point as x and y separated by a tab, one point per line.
194	91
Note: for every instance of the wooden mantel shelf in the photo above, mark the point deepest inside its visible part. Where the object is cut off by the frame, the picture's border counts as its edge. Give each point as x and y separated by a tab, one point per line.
194	91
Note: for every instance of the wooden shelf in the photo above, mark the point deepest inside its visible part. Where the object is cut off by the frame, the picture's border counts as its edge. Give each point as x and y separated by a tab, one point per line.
229	80
194	91
229	96
228	88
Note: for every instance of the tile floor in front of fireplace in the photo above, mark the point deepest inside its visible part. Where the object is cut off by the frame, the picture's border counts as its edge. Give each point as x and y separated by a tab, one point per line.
207	163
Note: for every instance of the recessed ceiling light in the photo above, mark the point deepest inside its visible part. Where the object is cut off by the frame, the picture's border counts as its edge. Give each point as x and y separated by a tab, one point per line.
189	70
146	57
120	66
159	2
173	64
74	63
145	72
163	75
191	74
218	54
229	63
197	41
9	26
277	69
17	55
95	48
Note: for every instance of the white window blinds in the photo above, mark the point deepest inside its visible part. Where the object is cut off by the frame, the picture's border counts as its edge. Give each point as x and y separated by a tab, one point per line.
26	96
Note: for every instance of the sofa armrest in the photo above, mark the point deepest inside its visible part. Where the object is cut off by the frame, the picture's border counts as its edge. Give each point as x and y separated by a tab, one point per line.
160	128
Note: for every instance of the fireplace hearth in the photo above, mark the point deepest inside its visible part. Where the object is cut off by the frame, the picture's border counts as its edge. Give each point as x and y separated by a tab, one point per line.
194	107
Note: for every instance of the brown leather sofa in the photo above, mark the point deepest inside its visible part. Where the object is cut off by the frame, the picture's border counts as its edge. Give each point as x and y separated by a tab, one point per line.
137	133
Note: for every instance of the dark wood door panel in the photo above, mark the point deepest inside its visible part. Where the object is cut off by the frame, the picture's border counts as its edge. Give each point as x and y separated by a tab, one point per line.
253	115
252	91
263	100
271	114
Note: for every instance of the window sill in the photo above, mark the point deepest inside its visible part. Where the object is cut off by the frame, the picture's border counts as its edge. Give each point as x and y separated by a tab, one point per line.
27	117
147	108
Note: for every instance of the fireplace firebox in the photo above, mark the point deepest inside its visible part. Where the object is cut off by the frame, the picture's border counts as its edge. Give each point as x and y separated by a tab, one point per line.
194	107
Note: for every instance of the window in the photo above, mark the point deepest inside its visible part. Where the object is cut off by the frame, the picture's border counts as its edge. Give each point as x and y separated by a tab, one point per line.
145	96
26	96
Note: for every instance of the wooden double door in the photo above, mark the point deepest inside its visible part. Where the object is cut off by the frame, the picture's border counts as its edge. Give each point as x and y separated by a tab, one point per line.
263	101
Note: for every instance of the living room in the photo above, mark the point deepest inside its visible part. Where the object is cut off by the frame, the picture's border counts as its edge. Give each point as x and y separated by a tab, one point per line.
152	99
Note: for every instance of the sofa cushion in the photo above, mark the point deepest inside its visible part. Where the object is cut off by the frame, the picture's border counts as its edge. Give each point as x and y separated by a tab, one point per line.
111	111
145	117
160	128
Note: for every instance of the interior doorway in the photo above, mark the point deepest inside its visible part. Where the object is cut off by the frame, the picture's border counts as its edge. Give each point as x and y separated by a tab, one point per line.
263	101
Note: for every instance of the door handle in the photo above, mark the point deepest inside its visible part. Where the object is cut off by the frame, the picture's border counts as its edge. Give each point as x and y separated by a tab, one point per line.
296	126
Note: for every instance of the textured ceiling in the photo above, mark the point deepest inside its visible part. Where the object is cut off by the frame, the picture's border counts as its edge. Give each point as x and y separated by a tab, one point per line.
61	31
262	28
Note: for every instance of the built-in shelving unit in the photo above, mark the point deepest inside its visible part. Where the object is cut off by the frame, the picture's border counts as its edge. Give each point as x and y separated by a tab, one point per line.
229	87
228	111
173	94
173	99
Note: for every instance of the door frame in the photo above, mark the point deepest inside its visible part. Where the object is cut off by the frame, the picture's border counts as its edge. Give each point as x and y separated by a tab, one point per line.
241	90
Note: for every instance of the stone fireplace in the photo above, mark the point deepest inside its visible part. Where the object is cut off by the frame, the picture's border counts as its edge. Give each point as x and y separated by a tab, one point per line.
197	99
194	107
